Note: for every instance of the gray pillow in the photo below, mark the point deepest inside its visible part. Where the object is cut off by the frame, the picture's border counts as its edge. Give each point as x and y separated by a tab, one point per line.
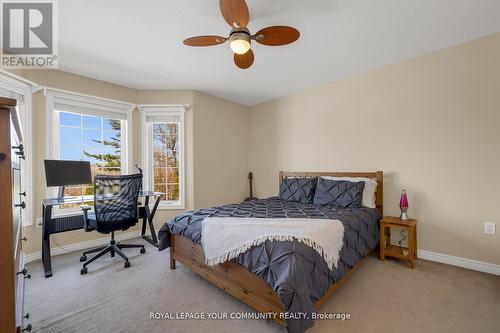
298	189
339	193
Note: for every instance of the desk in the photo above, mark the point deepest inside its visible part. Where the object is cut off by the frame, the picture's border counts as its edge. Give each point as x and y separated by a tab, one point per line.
52	225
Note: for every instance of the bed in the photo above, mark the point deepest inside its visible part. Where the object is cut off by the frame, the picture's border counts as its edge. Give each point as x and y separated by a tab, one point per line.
280	277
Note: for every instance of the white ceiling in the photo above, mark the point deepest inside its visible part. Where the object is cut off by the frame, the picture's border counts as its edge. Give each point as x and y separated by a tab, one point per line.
139	43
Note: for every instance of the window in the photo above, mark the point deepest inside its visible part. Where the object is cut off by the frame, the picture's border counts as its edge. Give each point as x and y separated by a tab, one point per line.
94	139
87	128
163	155
166	159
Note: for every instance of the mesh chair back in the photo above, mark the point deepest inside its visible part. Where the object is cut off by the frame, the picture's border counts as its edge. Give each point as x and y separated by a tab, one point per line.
115	201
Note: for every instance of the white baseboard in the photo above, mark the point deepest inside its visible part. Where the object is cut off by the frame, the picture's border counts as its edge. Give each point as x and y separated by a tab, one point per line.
460	262
54	251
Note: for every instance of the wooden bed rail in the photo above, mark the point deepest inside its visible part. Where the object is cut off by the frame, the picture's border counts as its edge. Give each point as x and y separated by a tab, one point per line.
237	281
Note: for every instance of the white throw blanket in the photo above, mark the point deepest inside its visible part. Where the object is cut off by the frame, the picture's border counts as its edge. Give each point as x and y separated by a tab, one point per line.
224	238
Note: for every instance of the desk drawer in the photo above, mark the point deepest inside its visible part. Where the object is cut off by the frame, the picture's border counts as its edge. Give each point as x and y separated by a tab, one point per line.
66	223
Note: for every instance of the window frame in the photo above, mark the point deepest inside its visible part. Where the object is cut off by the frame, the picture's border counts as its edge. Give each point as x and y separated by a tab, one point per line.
58	145
19	88
147	151
87	105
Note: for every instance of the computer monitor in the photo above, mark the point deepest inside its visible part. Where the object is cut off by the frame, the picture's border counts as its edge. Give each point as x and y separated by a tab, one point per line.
62	173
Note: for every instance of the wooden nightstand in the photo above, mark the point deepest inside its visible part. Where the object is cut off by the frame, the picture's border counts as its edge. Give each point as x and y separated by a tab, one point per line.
389	250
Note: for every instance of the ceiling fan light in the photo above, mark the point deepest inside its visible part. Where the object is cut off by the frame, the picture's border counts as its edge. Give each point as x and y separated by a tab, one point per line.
240	43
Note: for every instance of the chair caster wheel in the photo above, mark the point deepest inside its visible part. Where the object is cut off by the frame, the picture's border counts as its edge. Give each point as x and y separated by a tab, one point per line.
112	254
127	264
143	250
83	270
83	258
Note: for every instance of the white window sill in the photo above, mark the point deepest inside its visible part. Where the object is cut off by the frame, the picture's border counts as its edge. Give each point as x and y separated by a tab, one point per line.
169	206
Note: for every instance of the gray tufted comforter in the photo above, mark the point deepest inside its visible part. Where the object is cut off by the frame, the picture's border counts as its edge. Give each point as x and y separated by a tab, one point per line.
295	271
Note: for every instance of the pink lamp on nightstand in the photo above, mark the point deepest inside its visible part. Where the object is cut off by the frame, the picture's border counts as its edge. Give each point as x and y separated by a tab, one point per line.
403	204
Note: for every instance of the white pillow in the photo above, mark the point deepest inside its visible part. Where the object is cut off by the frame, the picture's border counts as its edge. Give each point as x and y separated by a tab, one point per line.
368	192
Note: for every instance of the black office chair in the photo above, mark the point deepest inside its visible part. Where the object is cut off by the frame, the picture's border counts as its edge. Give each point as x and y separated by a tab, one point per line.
115	208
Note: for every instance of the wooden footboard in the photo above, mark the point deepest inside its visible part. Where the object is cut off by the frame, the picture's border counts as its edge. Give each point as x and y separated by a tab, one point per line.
236	280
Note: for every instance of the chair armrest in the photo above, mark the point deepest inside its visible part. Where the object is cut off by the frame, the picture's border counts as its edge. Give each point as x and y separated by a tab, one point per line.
85	210
141	212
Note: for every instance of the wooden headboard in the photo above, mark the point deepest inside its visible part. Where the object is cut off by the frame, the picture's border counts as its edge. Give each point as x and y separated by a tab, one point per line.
378	176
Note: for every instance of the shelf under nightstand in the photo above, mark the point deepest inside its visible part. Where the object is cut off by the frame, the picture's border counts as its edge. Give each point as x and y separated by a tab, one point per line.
389	250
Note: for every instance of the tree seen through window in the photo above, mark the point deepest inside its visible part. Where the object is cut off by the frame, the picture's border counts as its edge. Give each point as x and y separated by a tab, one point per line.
166	159
93	139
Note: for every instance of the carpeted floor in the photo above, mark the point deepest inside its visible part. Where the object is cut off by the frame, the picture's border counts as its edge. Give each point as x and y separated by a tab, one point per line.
380	297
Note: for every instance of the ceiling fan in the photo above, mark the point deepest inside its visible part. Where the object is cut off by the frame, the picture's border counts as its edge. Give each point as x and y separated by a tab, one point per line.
235	12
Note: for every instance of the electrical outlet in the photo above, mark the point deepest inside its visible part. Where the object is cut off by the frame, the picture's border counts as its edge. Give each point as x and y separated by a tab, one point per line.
489	228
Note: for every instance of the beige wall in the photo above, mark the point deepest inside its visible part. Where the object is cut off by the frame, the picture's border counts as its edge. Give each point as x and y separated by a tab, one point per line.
217	127
221	161
76	83
431	124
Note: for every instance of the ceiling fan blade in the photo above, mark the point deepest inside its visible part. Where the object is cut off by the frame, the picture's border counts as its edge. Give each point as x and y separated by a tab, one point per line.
235	12
244	61
204	40
276	35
